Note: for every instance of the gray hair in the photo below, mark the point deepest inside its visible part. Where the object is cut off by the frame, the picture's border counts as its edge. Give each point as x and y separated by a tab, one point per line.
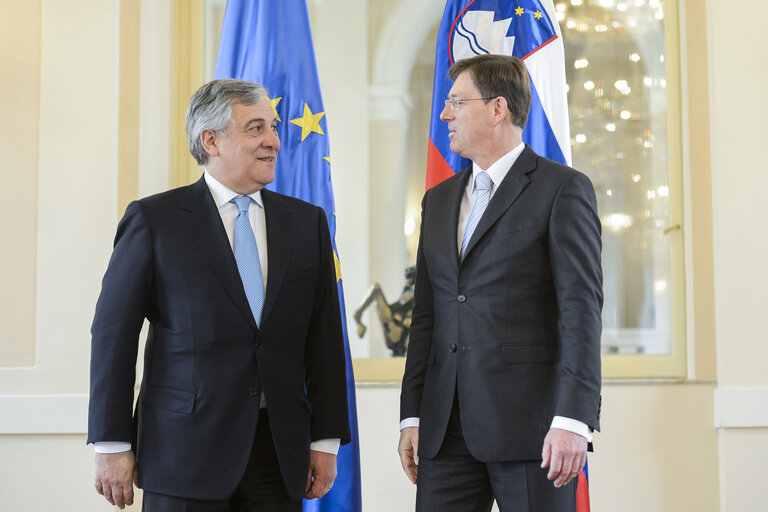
211	109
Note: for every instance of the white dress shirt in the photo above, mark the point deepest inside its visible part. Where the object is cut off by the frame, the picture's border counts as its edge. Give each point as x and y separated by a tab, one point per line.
497	171
228	211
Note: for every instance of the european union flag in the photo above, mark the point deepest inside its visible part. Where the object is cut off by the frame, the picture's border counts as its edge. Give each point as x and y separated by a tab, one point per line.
270	42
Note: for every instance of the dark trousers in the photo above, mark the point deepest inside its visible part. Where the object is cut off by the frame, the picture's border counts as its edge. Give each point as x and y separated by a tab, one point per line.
454	481
261	489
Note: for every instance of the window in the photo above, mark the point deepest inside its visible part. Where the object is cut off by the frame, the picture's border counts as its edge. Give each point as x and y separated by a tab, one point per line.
623	114
622	65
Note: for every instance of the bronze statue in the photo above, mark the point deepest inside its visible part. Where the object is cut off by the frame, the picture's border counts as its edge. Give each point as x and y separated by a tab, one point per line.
395	318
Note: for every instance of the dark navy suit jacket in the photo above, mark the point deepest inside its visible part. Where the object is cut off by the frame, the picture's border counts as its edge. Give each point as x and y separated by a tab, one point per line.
515	327
206	362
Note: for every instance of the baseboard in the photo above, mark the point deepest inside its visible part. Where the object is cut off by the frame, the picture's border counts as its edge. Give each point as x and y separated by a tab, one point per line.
43	414
741	407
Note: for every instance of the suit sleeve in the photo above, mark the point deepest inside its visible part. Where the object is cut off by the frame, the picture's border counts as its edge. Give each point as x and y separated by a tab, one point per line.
422	322
326	374
120	313
575	246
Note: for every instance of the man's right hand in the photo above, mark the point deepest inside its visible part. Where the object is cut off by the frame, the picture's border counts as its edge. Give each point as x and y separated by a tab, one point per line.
408	448
115	475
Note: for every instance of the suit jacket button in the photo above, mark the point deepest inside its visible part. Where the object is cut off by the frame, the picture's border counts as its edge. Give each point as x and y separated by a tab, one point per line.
461	298
253	391
258	346
452	347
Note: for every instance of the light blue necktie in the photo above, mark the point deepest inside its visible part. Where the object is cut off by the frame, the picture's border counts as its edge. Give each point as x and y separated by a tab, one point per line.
247	258
483	184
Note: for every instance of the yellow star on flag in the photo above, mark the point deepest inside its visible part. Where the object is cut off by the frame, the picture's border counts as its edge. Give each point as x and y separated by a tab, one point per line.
309	122
537	15
337	264
519	11
327	159
274	102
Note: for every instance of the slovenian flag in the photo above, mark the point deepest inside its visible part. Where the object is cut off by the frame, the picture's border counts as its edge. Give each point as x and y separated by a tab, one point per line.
270	42
527	29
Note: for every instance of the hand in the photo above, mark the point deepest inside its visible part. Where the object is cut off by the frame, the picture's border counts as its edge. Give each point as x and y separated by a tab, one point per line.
116	474
408	448
565	453
322	473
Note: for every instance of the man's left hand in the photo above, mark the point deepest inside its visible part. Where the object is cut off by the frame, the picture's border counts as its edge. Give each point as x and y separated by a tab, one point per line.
322	473
565	453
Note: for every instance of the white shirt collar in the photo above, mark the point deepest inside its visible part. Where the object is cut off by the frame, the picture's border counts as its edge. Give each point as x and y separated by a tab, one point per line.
222	195
498	169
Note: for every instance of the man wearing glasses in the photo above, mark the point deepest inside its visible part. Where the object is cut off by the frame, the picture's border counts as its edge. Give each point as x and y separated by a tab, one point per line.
502	382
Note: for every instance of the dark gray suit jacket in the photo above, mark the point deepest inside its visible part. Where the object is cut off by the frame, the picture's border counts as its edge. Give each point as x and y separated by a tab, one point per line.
515	327
206	362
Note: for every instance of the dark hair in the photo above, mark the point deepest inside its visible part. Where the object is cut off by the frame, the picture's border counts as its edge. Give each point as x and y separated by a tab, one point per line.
499	75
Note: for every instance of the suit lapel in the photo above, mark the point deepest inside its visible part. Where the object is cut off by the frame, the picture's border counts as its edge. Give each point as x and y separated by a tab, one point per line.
510	188
278	246
200	217
446	232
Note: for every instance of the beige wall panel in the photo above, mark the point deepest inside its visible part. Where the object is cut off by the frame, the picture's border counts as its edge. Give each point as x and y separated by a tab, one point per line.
657	452
155	143
77	189
128	105
78	160
744	452
379	12
342	62
19	138
698	168
737	42
385	486
657	449
48	473
187	76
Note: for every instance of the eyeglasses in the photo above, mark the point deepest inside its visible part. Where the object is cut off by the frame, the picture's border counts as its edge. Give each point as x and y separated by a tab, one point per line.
456	103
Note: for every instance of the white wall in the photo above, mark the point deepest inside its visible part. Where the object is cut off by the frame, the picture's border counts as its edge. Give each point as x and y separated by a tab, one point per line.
342	61
77	177
737	41
76	212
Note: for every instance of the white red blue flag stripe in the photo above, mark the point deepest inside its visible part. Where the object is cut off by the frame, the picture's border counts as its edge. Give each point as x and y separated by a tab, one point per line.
528	30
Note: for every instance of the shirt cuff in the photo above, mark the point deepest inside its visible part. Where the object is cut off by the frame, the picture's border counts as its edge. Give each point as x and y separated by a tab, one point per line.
571	425
111	446
326	445
409	422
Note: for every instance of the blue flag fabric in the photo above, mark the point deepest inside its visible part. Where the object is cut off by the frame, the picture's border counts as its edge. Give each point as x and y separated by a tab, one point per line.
270	42
527	29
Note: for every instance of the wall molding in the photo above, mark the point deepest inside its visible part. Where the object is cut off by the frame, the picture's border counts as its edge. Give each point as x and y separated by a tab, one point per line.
741	407
387	103
68	414
400	40
43	414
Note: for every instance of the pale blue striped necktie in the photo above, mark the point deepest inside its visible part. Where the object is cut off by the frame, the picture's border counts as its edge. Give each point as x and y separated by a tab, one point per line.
247	258
483	184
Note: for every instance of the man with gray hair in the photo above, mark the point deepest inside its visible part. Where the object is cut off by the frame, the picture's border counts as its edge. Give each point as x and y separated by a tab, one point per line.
243	399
